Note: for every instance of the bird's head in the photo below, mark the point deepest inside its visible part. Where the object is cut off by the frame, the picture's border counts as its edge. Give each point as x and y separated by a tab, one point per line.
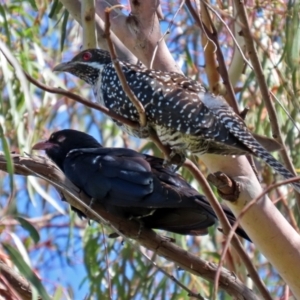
62	142
86	65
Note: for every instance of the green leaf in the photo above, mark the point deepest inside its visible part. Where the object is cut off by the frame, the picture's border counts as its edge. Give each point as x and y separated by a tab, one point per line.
9	163
33	4
189	59
56	7
293	36
5	25
30	228
58	294
64	29
25	270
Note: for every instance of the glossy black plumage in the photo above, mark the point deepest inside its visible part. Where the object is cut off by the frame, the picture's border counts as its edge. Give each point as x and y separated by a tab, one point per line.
131	184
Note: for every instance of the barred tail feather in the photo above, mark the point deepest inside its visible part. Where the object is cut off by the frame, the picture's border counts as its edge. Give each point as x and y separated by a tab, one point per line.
257	150
277	166
237	128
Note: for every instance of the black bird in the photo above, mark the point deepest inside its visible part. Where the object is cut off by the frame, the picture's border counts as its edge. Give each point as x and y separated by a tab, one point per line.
131	184
182	113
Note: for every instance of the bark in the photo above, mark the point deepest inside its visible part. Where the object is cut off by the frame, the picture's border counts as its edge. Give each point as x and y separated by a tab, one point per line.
17	282
43	168
268	229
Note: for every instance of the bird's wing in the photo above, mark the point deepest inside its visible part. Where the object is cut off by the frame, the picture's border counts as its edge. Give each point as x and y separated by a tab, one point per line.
170	100
137	185
110	173
189	212
179	103
123	177
191	221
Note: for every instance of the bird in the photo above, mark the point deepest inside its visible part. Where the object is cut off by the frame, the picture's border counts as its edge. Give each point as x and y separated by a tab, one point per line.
182	113
131	184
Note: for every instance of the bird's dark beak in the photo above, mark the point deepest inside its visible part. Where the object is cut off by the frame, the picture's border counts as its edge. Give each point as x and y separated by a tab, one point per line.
43	145
63	67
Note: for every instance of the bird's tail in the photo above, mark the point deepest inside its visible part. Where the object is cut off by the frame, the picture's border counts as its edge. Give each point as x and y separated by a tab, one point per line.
231	218
277	166
237	127
257	150
204	204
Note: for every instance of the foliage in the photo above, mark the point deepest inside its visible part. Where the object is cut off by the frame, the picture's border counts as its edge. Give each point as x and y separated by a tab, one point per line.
73	258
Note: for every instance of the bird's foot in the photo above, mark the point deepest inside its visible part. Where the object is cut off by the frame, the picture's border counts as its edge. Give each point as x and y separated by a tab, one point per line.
140	229
175	158
140	221
87	209
79	213
92	202
148	214
113	235
144	132
152	211
244	113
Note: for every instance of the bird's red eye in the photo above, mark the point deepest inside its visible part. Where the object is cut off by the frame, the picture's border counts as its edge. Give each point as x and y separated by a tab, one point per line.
86	56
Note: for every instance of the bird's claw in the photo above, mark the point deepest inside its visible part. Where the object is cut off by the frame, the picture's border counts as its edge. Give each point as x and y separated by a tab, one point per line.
113	235
152	211
144	132
176	159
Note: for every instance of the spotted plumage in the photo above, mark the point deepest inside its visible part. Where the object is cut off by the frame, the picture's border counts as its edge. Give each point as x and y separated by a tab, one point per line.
183	114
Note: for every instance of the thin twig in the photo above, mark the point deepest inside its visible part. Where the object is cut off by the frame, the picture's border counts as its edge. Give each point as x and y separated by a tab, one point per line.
79	99
129	228
231	234
286	111
213	35
107	262
227	229
101	220
135	101
166	32
242	13
83	101
246	61
290	214
209	48
229	31
17	282
176	281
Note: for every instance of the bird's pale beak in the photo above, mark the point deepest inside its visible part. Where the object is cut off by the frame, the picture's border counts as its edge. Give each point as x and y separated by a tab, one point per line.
43	145
63	67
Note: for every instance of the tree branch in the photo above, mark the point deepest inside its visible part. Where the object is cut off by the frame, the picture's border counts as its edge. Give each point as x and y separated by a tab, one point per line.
132	229
134	33
132	97
82	100
16	281
88	24
227	229
246	32
74	8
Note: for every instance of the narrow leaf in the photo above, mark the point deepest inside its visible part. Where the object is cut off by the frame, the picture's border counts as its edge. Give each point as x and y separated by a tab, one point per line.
64	29
30	228
5	25
25	270
9	163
